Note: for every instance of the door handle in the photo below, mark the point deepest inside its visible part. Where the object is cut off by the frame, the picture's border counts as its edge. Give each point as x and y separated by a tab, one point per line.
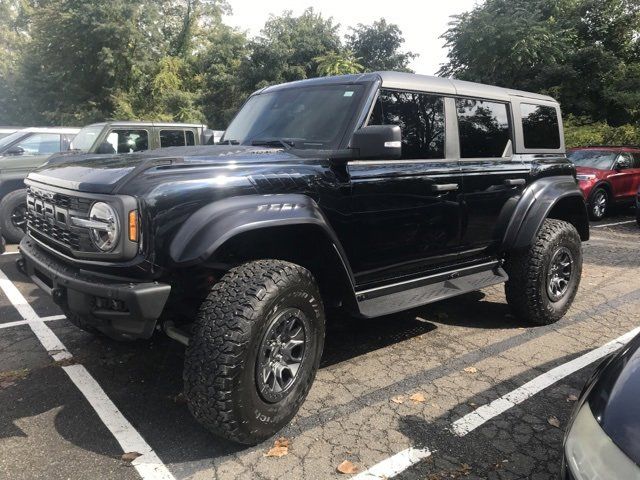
512	182
444	187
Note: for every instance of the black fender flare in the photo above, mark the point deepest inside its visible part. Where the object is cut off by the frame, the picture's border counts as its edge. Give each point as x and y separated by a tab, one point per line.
211	226
535	205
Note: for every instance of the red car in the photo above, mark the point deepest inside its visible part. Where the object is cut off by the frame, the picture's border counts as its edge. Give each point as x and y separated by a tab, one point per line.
607	176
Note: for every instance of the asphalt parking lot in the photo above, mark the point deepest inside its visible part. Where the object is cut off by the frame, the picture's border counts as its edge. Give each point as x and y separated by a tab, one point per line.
396	394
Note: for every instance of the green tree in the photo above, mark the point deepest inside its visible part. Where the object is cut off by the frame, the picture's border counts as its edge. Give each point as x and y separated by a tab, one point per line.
286	47
378	46
583	52
338	63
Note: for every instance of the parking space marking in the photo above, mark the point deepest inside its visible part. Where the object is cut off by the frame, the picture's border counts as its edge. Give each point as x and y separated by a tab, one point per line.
27	322
392	466
482	414
613	224
148	465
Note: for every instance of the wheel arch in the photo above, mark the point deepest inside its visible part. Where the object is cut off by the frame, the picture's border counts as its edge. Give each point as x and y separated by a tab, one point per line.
281	227
551	197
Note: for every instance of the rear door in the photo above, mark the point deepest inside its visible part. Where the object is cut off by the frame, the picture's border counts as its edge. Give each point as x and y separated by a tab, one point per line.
493	177
405	213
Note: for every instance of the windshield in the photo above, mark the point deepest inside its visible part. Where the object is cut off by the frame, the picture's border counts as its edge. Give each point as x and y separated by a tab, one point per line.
600	159
306	117
85	138
9	139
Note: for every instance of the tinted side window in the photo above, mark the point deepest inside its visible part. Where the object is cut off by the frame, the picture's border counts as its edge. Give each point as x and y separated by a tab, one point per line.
636	160
40	144
421	118
128	141
484	128
172	138
191	139
540	126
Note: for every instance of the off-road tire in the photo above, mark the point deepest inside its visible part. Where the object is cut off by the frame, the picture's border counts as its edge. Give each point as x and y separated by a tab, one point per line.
526	289
9	203
595	195
220	379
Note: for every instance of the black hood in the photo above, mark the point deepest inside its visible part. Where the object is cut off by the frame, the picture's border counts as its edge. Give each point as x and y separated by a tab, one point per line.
615	399
103	173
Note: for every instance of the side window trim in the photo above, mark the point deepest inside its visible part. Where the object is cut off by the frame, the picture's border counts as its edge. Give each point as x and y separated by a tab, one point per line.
509	149
519	147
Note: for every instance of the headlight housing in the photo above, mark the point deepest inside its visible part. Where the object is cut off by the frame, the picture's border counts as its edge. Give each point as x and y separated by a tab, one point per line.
105	226
585	177
591	455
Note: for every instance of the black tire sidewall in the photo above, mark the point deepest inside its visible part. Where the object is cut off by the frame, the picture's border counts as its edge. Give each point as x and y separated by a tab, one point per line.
570	240
263	419
12	200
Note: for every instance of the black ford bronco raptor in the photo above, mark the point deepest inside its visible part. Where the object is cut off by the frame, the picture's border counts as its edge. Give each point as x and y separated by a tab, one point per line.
375	193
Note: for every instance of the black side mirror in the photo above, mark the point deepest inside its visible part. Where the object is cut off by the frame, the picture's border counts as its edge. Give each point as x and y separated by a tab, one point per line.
105	148
377	142
622	164
15	151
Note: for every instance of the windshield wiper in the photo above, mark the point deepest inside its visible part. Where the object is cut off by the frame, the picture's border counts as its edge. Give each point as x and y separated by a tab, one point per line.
287	143
229	142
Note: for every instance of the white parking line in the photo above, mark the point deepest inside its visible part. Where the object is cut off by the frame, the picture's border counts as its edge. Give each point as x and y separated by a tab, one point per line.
398	463
27	322
148	465
480	415
612	224
392	466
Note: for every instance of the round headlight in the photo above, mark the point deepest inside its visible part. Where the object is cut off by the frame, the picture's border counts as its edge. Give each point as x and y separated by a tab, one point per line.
105	236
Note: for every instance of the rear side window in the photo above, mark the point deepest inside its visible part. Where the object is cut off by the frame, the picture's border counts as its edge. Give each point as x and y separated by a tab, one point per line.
191	139
540	126
421	118
172	138
484	128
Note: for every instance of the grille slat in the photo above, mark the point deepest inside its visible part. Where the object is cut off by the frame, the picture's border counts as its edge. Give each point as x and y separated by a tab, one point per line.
48	220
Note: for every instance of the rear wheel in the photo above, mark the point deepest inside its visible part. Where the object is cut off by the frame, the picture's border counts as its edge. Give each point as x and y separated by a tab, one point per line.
544	279
255	350
13	215
599	204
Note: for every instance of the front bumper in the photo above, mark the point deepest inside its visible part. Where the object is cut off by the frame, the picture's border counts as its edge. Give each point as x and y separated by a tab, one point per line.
116	307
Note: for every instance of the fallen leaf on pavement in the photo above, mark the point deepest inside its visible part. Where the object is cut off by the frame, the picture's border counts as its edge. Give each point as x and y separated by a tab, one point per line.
347	467
398	399
130	456
417	398
471	370
280	448
554	421
572	398
180	399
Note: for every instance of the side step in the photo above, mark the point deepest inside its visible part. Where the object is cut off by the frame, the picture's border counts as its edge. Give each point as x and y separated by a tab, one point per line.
420	291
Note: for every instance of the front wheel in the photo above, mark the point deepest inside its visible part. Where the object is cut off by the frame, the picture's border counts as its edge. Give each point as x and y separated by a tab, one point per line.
13	215
544	279
255	350
599	204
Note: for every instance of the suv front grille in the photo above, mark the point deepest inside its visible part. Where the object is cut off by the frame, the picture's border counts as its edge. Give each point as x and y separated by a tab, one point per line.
49	220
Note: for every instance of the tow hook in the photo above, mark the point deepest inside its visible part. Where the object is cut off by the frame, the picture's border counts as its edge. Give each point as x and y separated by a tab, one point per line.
20	265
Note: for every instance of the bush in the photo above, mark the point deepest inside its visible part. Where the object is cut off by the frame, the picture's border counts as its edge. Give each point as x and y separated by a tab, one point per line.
581	132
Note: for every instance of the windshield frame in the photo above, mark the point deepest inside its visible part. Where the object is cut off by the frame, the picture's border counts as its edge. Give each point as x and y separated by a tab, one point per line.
602	151
359	111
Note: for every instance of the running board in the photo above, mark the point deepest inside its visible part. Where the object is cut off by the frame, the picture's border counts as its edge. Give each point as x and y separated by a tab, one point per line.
401	296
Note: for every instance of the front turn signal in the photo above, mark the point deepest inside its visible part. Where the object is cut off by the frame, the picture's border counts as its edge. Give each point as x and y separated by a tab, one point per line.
133	226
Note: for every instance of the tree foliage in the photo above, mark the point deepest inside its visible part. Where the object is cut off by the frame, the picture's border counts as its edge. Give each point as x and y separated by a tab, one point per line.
586	53
78	61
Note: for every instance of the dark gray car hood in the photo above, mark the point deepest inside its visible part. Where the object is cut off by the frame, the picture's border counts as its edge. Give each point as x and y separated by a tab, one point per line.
104	173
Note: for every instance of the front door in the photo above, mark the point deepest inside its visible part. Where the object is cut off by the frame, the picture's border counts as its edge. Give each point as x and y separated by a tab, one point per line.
405	213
